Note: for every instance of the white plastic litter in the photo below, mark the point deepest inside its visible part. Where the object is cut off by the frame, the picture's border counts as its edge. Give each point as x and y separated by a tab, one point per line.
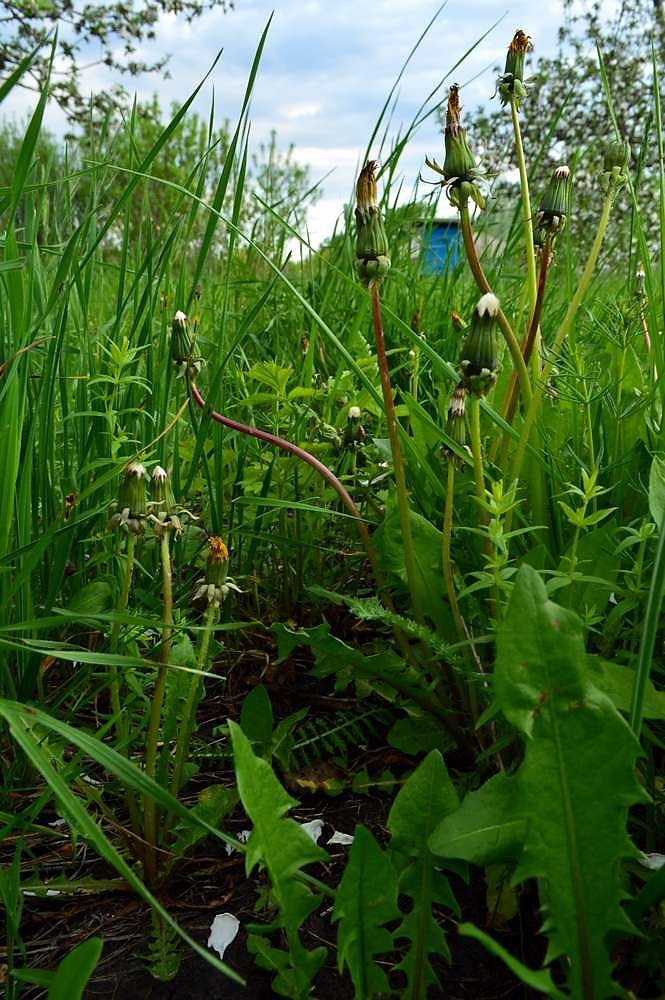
223	931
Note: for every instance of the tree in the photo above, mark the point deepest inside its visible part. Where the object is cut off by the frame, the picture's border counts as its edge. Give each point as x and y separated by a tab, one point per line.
570	85
101	33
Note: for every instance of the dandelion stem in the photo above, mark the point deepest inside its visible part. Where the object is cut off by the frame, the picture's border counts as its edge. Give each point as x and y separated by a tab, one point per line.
483	285
150	813
395	448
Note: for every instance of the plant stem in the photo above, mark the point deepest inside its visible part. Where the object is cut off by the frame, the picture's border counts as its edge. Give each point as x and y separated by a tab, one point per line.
651	622
562	333
304	456
448	577
150	813
483	285
121	727
395	448
526	211
477	452
182	747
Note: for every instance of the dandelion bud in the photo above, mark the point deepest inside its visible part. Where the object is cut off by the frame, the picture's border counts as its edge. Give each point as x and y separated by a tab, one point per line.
182	346
218	561
161	494
555	203
615	163
459	163
456	422
372	251
511	83
354	432
479	361
131	509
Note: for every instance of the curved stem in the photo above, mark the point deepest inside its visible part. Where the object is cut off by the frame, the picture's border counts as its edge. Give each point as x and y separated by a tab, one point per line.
483	285
304	456
562	333
396	450
150	813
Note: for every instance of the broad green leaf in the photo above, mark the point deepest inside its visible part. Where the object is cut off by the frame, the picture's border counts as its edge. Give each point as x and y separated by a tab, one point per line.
487	828
575	784
73	973
423	801
256	718
284	848
617	681
366	901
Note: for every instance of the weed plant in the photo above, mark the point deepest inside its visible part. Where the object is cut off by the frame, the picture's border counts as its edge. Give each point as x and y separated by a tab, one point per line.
469	463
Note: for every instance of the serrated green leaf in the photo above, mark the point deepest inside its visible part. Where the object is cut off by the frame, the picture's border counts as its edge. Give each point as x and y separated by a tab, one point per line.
284	848
423	801
575	784
366	901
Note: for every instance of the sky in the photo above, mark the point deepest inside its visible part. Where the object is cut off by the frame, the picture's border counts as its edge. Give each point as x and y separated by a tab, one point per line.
327	69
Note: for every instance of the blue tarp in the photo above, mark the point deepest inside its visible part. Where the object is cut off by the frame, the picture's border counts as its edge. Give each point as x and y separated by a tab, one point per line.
440	246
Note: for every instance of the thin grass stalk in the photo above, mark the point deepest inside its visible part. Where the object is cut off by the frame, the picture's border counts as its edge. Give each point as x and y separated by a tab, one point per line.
183	743
562	333
150	812
446	546
651	623
396	450
484	286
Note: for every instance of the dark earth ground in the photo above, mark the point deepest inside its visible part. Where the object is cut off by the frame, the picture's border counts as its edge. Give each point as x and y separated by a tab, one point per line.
212	882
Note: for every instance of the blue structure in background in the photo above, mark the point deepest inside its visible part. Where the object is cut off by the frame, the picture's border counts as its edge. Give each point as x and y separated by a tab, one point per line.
440	245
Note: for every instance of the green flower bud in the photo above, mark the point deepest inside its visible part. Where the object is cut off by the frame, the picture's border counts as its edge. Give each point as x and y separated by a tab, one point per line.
161	494
511	82
555	203
615	163
131	509
218	561
479	359
459	163
354	432
456	421
182	347
372	251
617	154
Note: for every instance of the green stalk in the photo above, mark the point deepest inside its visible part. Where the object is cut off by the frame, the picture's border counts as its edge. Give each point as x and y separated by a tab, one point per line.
651	622
395	448
446	549
526	221
477	452
182	747
483	284
121	727
120	607
150	814
562	333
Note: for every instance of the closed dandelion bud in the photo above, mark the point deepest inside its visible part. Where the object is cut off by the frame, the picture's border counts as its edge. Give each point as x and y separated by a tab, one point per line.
479	360
161	494
354	432
218	561
181	341
456	421
511	83
131	511
372	251
459	163
615	163
135	480
555	203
